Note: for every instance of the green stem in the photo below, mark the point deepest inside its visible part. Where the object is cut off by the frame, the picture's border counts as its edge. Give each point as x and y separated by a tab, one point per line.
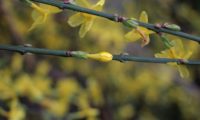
80	54
152	27
153	60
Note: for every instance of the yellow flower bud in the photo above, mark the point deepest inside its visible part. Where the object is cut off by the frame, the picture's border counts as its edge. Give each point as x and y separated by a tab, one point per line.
102	56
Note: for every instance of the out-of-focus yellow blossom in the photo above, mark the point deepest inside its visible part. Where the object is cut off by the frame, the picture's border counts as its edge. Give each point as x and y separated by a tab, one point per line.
16	64
51	36
152	95
43	68
126	112
42	84
140	32
85	20
89	114
102	56
136	85
106	34
95	91
16	111
177	52
67	88
24	86
85	110
41	13
6	91
56	107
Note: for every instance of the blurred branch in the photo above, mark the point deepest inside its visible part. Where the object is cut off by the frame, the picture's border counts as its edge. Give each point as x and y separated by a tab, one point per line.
116	18
15	36
82	55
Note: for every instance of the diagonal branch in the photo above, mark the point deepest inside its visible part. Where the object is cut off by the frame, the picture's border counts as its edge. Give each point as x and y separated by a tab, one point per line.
115	18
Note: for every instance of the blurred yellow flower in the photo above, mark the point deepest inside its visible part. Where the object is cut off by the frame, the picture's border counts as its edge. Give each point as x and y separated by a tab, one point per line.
57	107
85	110
17	63
126	112
85	20
16	111
140	32
42	84
43	68
67	88
6	90
41	13
177	52
24	86
95	92
88	113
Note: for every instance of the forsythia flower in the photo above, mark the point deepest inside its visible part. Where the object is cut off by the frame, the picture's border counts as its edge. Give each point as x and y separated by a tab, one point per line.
85	20
177	52
140	32
41	13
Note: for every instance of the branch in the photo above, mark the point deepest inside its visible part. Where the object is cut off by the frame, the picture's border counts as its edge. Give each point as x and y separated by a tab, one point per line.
82	55
116	18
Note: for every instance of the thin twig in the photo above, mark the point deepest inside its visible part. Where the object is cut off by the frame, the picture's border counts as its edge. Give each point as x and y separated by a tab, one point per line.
121	58
115	18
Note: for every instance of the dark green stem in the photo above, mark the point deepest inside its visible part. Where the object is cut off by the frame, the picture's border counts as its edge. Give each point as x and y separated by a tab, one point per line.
80	54
25	50
152	27
123	58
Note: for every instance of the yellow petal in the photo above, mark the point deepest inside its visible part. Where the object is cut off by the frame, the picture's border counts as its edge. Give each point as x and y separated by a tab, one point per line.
188	55
16	111
37	8
76	20
171	53
50	9
183	71
101	2
160	55
143	17
164	54
179	44
146	31
36	23
85	27
35	15
41	13
83	3
99	5
145	41
132	36
179	49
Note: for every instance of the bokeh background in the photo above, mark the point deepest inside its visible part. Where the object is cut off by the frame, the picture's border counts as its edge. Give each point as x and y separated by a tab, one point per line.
34	87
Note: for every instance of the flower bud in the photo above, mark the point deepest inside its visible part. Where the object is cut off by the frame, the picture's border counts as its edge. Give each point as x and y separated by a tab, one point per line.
130	23
102	56
173	27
